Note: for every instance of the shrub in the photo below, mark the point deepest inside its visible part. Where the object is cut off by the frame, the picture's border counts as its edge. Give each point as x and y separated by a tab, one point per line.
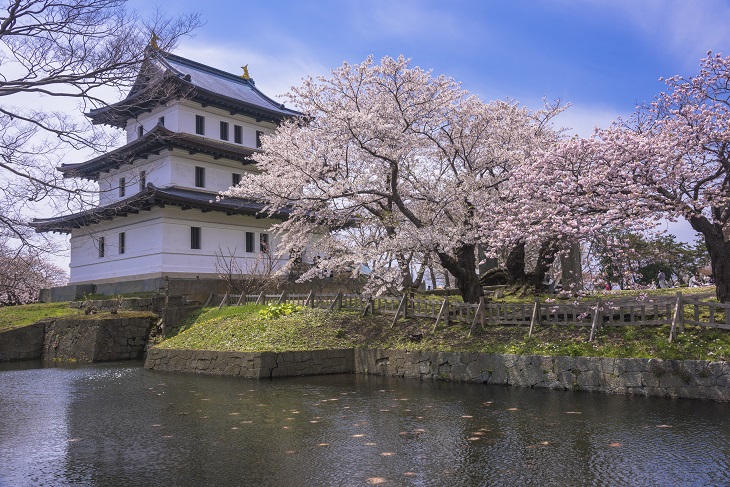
277	310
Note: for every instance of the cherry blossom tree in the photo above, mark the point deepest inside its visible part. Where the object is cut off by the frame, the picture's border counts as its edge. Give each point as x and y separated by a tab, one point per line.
23	273
671	159
388	163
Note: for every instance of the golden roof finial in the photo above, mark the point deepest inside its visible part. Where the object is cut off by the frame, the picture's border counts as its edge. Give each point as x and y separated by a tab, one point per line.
153	41
245	72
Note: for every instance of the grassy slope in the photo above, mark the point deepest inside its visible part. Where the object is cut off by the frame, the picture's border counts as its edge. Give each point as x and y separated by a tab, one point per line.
17	316
243	329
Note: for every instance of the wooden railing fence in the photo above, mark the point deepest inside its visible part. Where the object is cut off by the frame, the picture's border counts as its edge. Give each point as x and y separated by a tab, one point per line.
673	311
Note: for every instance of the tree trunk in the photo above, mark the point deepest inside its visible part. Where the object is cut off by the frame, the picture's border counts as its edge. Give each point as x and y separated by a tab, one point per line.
464	270
485	264
516	264
545	259
419	274
719	251
404	266
572	269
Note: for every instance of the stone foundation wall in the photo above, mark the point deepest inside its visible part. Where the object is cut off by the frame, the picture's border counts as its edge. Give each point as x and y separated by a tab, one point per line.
646	377
96	340
24	343
252	365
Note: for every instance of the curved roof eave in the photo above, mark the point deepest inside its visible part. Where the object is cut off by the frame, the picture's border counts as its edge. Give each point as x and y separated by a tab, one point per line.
153	197
153	142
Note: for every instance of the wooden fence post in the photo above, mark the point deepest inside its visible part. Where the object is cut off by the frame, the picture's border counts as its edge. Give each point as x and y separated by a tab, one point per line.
597	313
680	324
401	308
338	299
443	313
369	305
477	313
677	319
535	317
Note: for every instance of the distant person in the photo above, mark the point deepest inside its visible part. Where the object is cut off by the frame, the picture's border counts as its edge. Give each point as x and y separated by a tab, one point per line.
674	280
694	281
662	278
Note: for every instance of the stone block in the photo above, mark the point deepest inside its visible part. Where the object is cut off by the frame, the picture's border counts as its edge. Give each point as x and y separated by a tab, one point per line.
588	379
567	378
630	365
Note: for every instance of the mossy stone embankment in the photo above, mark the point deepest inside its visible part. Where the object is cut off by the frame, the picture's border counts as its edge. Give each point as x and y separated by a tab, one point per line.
243	329
240	342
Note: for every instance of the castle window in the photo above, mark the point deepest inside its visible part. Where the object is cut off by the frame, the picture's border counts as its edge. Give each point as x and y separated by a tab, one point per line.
122	187
195	237
250	242
101	247
258	138
224	130
140	131
142	180
161	121
199	177
237	134
121	243
236	179
199	124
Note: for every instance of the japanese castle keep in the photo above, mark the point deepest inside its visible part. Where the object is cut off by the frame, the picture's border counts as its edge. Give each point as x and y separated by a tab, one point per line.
191	130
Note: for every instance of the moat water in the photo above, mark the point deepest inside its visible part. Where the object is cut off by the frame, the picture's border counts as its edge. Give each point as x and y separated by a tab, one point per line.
121	425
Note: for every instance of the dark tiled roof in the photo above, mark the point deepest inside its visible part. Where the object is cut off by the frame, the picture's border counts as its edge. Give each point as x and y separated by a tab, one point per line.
220	82
192	80
152	143
153	197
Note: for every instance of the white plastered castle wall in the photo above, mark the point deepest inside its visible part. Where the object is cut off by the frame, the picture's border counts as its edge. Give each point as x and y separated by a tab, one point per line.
176	168
158	243
181	118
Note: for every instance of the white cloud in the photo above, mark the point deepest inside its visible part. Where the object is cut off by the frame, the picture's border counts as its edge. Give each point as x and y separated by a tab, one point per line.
684	29
411	19
581	118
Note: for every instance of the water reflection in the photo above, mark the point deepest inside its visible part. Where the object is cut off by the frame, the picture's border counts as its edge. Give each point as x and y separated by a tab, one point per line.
122	425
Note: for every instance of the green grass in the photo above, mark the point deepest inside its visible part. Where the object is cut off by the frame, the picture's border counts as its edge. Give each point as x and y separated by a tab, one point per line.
244	329
17	316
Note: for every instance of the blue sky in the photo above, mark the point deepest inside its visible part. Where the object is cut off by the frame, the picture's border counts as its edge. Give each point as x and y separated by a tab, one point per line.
602	56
